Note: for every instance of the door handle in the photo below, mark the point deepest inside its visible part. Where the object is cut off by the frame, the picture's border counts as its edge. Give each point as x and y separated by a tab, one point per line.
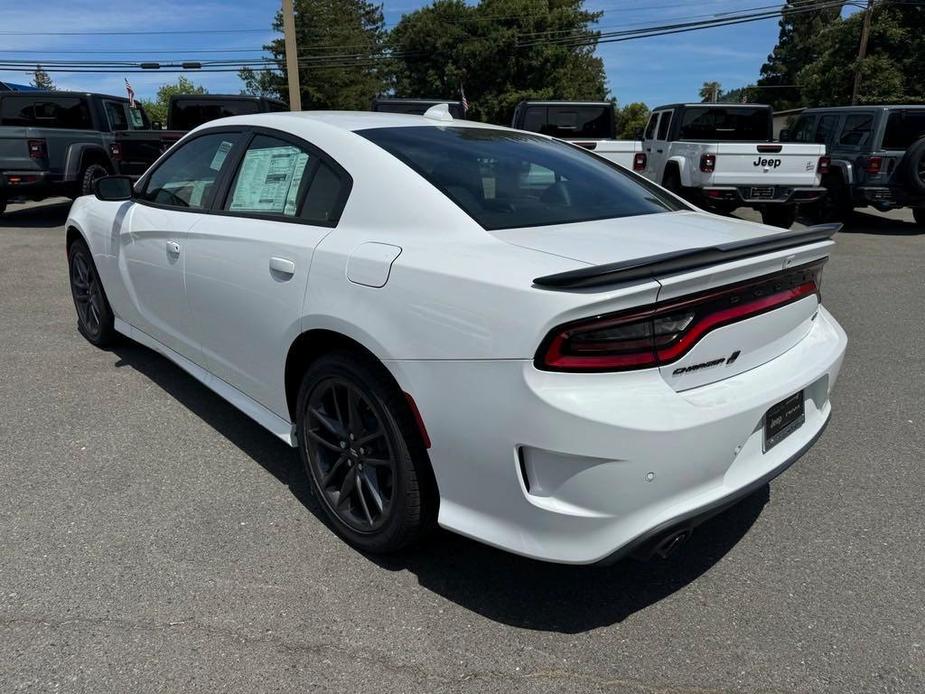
283	266
659	151
173	248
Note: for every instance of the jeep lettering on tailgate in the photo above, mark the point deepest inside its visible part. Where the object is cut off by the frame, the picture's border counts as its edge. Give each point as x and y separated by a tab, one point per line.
767	163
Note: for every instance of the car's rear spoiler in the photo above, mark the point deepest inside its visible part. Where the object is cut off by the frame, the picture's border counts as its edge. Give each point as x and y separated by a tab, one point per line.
678	261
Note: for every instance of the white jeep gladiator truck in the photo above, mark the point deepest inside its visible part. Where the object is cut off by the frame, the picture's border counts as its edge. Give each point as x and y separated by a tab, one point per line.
588	124
722	156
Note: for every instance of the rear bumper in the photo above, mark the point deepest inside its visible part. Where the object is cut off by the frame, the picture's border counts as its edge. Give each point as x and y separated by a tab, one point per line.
887	197
584	468
24	183
770	195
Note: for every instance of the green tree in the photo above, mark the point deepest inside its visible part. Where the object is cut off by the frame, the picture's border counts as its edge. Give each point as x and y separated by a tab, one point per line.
500	51
740	95
798	45
710	92
631	119
341	56
157	108
41	79
892	71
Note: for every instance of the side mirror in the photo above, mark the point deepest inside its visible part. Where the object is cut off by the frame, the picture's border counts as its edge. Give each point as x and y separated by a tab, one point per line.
637	134
784	135
157	125
113	188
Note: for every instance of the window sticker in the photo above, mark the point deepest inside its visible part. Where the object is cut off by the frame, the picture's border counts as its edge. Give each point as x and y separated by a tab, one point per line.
269	180
220	155
135	115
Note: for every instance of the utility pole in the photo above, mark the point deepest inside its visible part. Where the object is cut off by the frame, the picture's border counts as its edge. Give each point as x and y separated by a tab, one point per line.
292	56
862	50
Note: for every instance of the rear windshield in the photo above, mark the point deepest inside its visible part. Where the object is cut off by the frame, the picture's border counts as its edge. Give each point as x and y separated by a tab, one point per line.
570	122
726	124
903	128
508	179
69	112
187	114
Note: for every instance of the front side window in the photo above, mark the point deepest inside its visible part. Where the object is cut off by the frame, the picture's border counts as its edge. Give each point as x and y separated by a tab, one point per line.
803	130
269	178
856	131
508	179
186	179
903	128
825	129
733	124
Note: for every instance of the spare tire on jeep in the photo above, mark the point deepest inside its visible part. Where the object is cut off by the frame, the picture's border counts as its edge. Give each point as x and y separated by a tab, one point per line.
911	169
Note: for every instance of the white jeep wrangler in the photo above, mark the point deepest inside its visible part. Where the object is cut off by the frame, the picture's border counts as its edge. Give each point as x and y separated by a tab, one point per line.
722	156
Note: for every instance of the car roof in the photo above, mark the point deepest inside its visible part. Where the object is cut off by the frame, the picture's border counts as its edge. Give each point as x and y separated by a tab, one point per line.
863	107
352	121
222	97
709	104
56	92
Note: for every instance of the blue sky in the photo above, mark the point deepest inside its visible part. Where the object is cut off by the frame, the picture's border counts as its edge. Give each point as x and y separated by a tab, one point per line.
656	70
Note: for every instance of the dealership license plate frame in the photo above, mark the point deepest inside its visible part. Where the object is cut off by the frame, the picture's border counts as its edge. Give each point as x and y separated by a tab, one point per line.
763	192
783	418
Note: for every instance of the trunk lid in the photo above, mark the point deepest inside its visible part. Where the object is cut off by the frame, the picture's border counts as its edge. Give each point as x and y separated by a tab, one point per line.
725	349
772	163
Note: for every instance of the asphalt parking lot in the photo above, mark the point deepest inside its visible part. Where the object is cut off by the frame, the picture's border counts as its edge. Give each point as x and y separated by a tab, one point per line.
154	539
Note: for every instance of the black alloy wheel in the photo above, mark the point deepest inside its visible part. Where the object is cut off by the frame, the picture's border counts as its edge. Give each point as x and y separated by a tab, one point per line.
351	456
363	454
94	316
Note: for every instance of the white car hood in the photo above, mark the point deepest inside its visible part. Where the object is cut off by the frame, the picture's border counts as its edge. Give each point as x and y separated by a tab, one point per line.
627	238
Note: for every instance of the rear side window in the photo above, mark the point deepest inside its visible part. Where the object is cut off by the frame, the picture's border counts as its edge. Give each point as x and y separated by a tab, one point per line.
269	178
903	128
508	179
186	179
664	124
115	113
856	131
650	127
70	113
186	114
726	124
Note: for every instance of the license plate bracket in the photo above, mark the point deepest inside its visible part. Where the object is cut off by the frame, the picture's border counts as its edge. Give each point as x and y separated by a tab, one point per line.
762	192
783	419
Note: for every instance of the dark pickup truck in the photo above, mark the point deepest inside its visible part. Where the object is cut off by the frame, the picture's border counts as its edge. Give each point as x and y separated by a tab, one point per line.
58	143
187	111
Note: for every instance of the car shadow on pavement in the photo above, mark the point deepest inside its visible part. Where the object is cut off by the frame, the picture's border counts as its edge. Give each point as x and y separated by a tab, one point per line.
37	217
497	585
860	222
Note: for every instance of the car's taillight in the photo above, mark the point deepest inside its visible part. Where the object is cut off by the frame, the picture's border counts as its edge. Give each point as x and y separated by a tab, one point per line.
707	162
38	149
115	151
873	164
639	161
824	163
665	332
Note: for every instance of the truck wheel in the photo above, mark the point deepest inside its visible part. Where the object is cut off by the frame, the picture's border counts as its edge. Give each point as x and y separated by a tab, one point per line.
782	216
89	176
919	214
911	168
2	205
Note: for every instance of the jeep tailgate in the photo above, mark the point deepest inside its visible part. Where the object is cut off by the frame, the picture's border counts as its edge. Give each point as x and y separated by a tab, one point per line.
772	163
14	150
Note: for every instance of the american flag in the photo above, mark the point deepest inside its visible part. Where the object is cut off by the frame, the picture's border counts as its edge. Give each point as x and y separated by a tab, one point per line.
130	92
462	97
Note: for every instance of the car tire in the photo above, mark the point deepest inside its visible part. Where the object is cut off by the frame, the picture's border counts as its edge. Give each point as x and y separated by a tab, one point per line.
782	216
376	489
918	214
2	206
94	316
911	168
89	176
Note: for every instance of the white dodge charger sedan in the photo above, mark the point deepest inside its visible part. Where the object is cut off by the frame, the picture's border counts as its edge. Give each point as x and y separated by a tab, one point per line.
467	325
